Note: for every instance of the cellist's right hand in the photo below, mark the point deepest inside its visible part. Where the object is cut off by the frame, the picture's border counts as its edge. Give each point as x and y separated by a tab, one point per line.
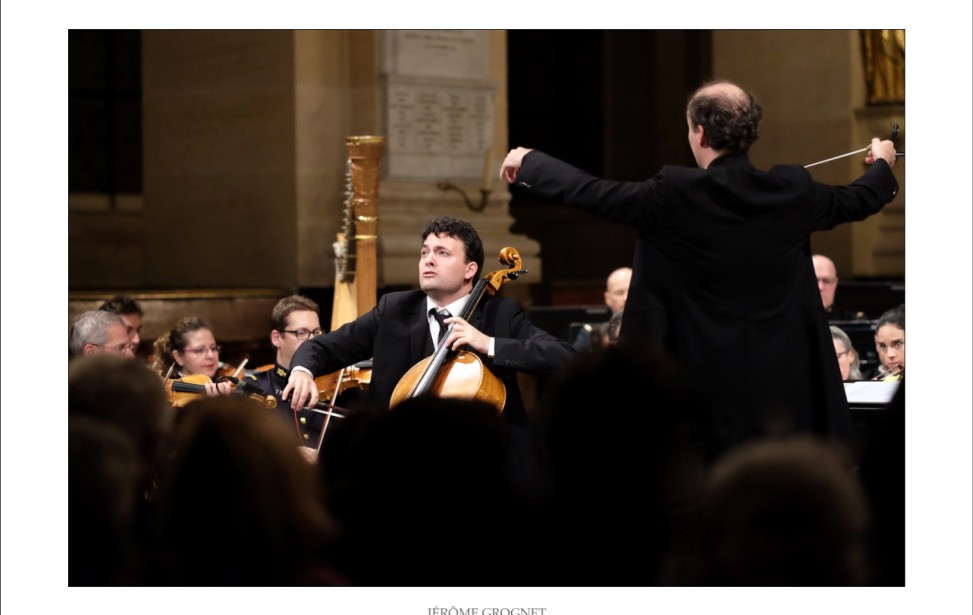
301	390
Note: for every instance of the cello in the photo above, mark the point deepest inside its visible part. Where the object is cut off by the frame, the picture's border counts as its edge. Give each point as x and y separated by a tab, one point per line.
448	373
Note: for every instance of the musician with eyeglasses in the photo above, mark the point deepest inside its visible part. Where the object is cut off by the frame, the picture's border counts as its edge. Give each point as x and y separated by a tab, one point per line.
191	346
97	332
294	320
131	313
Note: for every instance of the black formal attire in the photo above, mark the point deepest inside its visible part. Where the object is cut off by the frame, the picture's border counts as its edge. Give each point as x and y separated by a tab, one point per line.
840	314
723	277
306	424
396	334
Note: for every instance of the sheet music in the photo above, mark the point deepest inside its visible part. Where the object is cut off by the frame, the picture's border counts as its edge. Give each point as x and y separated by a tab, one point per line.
870	392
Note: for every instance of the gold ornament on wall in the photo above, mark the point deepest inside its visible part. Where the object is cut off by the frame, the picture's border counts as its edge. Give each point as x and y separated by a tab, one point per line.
883	54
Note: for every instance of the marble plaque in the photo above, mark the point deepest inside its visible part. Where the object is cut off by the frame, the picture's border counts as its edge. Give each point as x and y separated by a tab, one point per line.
438	130
450	54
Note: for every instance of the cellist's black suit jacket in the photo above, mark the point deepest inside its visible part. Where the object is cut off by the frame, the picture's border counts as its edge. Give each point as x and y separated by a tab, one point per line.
395	333
722	275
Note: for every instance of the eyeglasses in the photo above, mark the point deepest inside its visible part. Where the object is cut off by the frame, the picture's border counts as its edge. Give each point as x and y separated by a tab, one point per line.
841	354
197	352
303	334
897	346
827	281
121	349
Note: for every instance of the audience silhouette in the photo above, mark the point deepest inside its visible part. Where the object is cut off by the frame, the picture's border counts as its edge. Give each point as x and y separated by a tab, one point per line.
423	495
784	512
619	490
623	471
237	503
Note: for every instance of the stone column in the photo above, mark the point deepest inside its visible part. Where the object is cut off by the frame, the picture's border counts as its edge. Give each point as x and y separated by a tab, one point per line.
444	107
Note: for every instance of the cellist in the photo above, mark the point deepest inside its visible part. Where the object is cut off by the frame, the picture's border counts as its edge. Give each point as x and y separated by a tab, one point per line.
402	329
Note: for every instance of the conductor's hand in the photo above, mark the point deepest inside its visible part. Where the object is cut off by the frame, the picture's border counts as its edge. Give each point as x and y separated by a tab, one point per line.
303	388
465	334
511	164
881	149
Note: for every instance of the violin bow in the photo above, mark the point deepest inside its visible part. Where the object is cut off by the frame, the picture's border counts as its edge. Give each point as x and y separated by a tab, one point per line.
895	136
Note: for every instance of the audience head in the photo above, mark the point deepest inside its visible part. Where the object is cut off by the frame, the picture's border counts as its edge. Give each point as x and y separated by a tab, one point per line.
827	275
385	492
131	314
616	288
728	117
785	512
617	443
98	331
294	320
848	359
103	490
605	381
192	345
125	394
237	504
890	338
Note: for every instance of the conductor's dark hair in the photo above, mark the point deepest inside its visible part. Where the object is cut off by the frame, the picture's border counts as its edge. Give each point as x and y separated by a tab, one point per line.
895	316
122	304
462	230
731	121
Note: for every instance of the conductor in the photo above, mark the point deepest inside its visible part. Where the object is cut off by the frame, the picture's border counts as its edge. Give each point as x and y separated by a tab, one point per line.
722	271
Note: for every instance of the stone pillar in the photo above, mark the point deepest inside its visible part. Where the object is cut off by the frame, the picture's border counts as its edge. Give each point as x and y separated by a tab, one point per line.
443	101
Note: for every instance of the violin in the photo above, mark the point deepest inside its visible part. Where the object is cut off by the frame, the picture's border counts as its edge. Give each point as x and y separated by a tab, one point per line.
230	370
357	376
183	390
894	375
448	373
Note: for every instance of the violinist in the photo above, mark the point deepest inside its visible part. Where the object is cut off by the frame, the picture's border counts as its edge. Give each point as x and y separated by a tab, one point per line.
294	320
131	313
97	332
402	329
890	344
191	344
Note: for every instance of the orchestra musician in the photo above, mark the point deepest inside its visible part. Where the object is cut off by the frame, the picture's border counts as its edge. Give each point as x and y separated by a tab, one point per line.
294	320
131	313
191	344
722	271
400	330
890	344
97	331
827	276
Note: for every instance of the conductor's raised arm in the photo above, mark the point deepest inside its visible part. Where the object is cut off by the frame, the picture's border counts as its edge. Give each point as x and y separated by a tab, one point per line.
511	164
